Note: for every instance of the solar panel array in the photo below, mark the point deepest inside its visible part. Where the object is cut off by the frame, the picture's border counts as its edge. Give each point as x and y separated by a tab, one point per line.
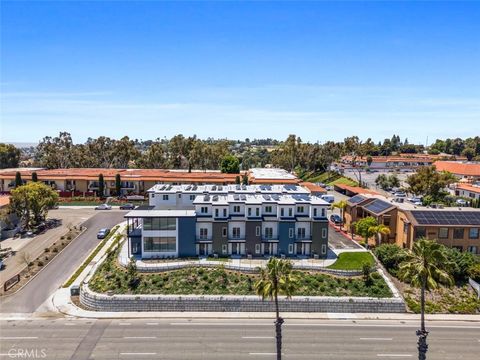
377	206
356	199
446	217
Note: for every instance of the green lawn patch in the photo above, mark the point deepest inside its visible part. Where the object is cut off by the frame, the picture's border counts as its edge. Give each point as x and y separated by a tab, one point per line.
344	181
219	281
352	261
90	258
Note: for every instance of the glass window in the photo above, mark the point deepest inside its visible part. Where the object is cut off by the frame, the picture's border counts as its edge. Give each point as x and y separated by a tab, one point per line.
257	231
160	244
236	209
420	232
236	232
290	248
165	197
216	212
268	209
204	210
300	209
257	248
290	232
159	224
458	233
323	212
290	212
257	211
301	233
473	233
282	212
324	233
224	249
203	233
147	224
324	249
192	197
472	249
268	233
315	212
249	211
443	233
224	232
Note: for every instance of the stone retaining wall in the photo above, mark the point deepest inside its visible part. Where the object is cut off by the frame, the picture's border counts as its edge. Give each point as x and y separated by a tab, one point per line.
230	303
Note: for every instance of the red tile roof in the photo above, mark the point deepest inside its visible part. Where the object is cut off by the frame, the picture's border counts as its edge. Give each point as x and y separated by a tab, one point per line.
465	169
313	188
468	187
355	189
4	200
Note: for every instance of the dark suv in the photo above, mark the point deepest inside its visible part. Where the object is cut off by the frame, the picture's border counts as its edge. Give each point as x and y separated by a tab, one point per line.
336	219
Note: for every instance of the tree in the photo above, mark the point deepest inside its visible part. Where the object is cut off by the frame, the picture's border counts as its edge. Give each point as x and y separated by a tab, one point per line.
31	202
426	266
428	181
55	153
341	205
245	179
369	227
369	160
18	179
230	165
469	153
237	180
276	279
9	156
118	184
132	273
34	177
101	186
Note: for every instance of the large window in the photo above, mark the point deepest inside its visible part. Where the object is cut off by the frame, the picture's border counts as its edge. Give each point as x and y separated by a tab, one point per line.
159	244
301	233
159	224
236	233
458	233
473	233
268	233
203	233
443	233
268	209
420	232
236	209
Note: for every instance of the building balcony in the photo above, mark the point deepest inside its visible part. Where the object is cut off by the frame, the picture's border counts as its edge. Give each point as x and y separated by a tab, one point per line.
236	239
303	239
270	239
203	239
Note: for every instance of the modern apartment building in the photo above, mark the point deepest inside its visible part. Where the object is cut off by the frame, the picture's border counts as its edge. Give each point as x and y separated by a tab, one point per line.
232	220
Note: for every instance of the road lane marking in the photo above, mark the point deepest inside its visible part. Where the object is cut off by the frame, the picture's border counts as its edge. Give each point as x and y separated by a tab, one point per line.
139	337
220	324
138	354
69	324
151	324
257	337
18	337
262	354
375	339
394	355
124	324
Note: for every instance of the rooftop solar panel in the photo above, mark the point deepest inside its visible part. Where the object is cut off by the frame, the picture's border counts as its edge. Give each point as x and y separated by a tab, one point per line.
356	199
377	206
434	217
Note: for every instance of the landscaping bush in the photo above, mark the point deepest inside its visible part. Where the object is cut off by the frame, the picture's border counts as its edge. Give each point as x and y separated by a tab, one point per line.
474	272
390	255
461	263
47	250
40	263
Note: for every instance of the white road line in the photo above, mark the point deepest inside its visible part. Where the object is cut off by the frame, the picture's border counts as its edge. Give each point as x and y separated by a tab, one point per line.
18	337
151	324
394	355
263	354
124	324
139	337
220	324
137	354
257	337
377	339
69	324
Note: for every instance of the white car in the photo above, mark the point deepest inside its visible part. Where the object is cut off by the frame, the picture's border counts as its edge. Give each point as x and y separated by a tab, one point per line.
461	202
103	207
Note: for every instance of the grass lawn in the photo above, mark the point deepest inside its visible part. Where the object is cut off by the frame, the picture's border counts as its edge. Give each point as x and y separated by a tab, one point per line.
344	181
352	261
218	281
332	178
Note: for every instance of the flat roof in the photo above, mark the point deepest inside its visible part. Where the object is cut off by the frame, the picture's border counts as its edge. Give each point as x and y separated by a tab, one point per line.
160	213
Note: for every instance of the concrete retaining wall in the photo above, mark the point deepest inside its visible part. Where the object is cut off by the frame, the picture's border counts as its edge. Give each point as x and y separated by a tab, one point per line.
227	303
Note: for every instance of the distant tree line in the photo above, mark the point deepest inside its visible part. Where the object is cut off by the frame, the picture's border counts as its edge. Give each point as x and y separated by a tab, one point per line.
180	152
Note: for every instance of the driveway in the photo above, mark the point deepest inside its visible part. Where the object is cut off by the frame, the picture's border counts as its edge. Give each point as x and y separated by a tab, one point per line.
35	246
34	294
338	241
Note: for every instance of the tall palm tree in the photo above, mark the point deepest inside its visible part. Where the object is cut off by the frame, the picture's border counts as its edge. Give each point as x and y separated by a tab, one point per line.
276	279
426	266
342	204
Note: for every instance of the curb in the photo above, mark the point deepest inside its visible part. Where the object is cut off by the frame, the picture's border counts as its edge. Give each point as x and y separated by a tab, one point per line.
38	272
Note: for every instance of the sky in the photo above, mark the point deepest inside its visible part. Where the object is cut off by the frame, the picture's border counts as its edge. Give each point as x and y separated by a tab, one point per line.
321	70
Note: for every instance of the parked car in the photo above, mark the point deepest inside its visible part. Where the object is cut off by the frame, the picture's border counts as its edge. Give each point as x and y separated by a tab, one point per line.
400	194
329	187
336	219
461	202
103	233
127	207
103	207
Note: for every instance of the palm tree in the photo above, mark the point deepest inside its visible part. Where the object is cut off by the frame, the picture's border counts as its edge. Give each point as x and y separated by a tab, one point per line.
425	266
342	204
379	230
276	279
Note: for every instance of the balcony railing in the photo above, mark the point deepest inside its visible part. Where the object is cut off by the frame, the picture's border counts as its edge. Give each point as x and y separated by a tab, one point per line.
203	238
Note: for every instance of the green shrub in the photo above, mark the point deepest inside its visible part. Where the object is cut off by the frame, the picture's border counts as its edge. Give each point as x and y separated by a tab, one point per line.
460	263
474	272
390	255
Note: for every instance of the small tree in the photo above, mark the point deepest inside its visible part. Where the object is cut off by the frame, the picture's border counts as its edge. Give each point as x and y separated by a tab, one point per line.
369	160
366	272
26	259
426	266
101	185
34	177
237	180
132	273
245	179
18	179
342	205
230	165
118	184
277	279
369	227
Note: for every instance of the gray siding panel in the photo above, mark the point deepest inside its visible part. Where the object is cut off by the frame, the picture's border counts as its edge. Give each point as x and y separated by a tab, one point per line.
283	236
186	236
251	236
217	236
317	239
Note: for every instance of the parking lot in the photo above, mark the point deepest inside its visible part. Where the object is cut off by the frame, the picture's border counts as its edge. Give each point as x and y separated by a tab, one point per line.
338	241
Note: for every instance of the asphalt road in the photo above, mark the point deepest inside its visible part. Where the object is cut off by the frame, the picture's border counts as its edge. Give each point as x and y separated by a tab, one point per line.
34	294
233	339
